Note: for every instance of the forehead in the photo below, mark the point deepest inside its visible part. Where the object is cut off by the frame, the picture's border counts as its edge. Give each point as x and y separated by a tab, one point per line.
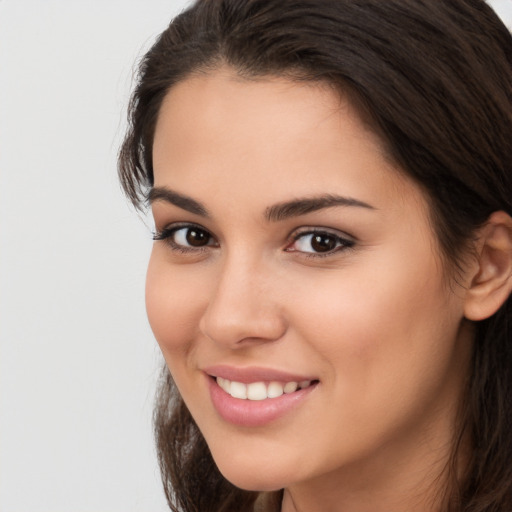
218	132
223	99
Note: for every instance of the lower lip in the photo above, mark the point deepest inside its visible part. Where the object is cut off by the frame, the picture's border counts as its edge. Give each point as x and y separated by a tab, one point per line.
254	413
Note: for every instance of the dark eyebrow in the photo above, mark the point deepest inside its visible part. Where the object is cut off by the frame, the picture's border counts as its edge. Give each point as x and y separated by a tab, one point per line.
275	213
305	205
180	200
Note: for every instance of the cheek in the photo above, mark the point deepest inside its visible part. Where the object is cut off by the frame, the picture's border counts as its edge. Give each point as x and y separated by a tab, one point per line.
388	349
174	304
367	323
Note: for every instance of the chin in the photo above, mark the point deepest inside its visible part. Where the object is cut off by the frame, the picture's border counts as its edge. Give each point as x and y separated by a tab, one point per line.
249	481
257	475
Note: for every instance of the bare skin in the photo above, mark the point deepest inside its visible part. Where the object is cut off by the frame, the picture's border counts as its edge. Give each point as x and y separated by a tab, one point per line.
372	318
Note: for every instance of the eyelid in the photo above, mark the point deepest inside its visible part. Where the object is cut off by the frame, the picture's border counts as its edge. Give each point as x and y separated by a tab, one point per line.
175	226
302	230
166	234
346	241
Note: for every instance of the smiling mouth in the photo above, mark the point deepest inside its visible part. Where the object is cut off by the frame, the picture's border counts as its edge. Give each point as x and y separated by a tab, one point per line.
261	390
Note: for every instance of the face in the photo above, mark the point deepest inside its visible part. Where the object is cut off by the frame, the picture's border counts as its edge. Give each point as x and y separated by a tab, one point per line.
296	266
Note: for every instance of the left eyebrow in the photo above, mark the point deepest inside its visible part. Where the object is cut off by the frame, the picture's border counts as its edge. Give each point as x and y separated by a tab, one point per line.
282	211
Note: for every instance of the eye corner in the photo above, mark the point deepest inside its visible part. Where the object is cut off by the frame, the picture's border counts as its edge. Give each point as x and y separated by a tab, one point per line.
180	237
316	242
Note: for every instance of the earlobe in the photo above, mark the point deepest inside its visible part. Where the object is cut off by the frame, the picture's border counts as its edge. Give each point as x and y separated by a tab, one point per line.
492	282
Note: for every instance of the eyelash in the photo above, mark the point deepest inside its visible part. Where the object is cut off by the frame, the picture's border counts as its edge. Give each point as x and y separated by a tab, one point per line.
341	243
167	234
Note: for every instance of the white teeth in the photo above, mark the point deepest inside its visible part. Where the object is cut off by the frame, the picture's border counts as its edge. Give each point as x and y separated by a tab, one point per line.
224	384
256	391
275	389
238	390
260	390
290	387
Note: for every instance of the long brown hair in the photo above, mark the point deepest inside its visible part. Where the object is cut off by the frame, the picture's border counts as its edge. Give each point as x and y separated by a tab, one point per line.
434	80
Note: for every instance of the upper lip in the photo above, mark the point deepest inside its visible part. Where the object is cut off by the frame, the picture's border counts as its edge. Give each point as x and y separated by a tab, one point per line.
250	374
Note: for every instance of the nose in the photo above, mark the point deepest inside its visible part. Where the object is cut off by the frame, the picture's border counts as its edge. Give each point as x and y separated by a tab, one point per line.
243	307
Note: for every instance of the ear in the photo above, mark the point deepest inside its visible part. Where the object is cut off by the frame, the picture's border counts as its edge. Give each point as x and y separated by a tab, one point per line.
491	284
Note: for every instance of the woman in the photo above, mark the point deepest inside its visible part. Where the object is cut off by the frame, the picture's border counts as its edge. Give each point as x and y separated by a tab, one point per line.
330	281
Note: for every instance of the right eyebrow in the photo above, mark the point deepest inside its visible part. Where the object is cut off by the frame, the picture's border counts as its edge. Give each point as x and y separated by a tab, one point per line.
180	200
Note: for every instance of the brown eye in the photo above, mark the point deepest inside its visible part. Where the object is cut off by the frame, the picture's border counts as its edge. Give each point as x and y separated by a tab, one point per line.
191	236
323	242
319	242
195	237
186	238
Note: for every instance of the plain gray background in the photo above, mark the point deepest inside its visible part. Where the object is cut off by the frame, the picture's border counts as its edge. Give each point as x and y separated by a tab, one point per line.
78	361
